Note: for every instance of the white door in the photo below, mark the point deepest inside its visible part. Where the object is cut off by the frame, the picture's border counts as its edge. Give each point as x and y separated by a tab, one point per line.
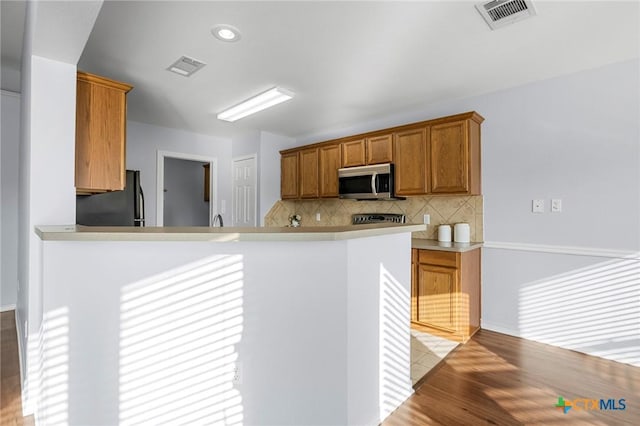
244	191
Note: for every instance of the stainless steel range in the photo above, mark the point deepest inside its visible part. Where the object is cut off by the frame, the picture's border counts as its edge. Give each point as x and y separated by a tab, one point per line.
365	218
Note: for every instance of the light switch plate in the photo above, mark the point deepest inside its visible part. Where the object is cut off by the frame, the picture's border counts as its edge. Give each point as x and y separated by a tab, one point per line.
537	206
556	205
317	217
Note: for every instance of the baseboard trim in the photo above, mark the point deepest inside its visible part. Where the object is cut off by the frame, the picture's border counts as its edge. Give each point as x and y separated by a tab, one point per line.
499	328
569	250
7	308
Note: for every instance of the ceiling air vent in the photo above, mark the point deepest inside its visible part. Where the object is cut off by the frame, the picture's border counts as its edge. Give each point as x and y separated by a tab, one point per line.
186	66
499	13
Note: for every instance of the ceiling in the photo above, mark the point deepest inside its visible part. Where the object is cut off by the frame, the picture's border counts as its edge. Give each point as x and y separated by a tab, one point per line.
347	62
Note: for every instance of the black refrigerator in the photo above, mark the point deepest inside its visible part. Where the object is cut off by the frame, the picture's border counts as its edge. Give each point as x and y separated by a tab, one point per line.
116	208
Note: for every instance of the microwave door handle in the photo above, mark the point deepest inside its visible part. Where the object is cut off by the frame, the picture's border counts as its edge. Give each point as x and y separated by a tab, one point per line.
373	183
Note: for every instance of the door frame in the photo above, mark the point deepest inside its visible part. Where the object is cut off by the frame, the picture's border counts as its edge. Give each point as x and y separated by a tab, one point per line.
253	157
213	181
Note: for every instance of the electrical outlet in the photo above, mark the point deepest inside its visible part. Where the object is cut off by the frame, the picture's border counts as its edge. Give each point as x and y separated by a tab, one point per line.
537	206
317	217
237	374
426	219
556	205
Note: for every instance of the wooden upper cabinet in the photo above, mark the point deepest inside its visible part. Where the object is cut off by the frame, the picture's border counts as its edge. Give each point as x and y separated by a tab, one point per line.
410	154
380	149
309	173
101	114
354	153
330	162
439	156
454	151
289	176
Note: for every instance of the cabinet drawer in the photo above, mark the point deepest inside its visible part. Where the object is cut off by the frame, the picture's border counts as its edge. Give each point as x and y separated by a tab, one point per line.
440	258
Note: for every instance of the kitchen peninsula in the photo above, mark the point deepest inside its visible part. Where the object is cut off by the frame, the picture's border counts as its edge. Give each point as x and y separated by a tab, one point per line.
231	325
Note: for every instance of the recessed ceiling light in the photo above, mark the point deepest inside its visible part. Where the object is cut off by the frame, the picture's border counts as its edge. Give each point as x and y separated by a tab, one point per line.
257	103
225	32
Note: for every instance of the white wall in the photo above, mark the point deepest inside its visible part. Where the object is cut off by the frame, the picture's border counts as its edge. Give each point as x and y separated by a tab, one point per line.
184	203
145	140
10	139
156	338
269	167
54	37
575	137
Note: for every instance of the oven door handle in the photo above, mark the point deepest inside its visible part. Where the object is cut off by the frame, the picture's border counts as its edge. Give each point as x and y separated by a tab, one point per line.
374	175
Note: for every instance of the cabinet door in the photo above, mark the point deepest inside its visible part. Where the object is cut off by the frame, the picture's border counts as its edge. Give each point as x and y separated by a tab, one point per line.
410	159
330	162
380	149
309	173
289	176
436	294
101	113
353	153
449	158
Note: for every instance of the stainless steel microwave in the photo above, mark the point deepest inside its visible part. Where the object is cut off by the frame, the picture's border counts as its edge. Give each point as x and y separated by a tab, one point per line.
375	182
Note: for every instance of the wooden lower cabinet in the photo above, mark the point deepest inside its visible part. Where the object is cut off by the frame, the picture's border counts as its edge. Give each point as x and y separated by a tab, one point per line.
445	292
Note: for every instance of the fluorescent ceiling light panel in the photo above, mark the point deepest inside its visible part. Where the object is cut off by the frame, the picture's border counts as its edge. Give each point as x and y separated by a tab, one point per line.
257	103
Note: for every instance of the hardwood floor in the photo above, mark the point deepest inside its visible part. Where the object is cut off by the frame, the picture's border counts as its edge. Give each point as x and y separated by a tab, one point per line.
503	380
492	379
10	401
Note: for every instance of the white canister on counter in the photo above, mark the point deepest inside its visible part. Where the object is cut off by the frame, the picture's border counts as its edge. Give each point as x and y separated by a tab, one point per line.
461	233
444	233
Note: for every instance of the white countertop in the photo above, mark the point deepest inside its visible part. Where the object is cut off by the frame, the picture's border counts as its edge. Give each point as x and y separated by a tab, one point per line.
418	243
197	233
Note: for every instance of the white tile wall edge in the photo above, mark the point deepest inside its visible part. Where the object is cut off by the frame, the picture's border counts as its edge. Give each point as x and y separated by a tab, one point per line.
571	250
7	308
10	93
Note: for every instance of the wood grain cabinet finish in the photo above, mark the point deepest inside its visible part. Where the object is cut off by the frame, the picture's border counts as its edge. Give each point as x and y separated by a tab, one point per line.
380	149
330	162
289	188
446	292
409	151
309	187
454	151
354	153
440	156
101	114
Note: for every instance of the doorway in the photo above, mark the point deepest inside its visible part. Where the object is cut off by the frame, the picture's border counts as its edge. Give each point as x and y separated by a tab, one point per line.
186	189
245	182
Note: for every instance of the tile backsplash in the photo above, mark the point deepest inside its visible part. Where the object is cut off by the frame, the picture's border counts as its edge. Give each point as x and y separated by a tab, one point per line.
443	209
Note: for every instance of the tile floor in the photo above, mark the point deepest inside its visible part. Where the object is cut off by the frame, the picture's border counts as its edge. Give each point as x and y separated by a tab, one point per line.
426	351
